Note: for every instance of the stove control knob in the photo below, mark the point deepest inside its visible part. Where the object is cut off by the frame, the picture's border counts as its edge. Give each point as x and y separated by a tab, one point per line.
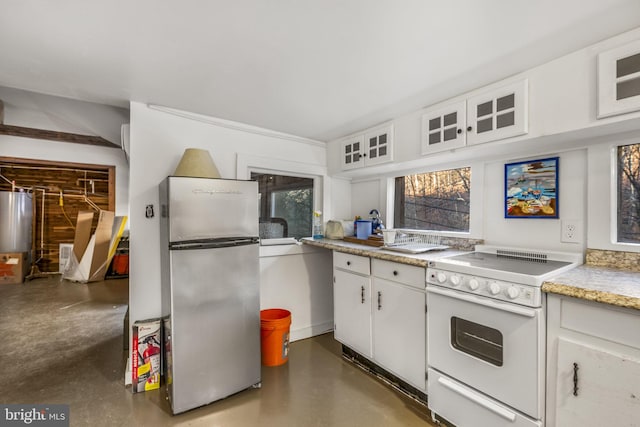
513	292
455	280
494	288
441	277
473	284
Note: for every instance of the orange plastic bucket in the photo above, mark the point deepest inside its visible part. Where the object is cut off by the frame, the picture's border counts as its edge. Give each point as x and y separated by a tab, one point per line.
274	336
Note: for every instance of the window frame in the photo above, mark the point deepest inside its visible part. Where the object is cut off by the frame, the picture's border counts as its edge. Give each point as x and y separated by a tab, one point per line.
475	204
602	178
272	194
246	164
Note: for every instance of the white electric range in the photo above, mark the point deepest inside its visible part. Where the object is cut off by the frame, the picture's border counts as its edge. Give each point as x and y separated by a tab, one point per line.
486	335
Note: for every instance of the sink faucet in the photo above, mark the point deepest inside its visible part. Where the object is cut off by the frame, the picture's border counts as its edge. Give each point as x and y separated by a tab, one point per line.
377	222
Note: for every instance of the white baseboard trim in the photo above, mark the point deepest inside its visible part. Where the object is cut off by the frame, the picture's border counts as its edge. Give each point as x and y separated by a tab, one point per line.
310	331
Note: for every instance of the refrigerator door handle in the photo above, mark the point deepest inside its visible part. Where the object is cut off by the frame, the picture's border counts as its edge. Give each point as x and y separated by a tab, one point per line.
221	243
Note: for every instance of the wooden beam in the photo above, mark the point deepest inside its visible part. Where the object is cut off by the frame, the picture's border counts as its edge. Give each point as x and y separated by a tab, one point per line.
55	136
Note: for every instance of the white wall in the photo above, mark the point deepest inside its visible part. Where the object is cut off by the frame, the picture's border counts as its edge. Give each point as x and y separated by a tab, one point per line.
38	111
537	232
562	122
158	139
299	278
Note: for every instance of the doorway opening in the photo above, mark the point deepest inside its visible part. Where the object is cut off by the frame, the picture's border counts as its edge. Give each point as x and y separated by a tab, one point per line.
58	190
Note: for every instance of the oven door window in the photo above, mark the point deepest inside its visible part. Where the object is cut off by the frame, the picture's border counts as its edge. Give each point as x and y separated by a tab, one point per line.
477	340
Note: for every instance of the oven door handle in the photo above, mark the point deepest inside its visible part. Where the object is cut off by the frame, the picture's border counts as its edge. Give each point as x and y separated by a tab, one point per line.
511	308
480	400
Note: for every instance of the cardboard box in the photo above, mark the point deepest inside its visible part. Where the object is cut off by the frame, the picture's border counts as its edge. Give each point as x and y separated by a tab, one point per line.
146	355
12	266
92	254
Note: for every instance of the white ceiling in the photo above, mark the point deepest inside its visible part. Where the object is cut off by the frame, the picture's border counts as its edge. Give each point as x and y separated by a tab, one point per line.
318	69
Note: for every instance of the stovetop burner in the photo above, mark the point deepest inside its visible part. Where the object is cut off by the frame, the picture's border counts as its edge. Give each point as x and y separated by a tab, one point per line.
532	267
523	266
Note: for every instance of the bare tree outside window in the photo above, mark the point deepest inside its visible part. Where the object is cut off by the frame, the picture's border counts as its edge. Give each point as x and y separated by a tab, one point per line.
437	201
286	205
629	193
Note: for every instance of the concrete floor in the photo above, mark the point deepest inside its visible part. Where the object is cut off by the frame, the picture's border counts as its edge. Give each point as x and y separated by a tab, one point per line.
62	343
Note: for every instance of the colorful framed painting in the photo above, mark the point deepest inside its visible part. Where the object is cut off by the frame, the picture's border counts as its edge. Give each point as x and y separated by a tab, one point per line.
531	189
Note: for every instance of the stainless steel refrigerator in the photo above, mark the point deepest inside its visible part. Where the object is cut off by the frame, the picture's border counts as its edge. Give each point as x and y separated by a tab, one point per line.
210	289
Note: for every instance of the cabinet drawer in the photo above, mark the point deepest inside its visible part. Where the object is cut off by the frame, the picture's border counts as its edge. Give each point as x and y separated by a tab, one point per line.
353	263
601	321
401	273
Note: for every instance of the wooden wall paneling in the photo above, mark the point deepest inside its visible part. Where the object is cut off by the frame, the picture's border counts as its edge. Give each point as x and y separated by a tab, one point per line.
76	182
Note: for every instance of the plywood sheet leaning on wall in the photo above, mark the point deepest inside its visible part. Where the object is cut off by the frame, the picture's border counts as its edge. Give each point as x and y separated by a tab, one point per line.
83	233
96	254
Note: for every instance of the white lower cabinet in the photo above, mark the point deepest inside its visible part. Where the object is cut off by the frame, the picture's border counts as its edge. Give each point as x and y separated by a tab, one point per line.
399	330
380	313
593	364
352	311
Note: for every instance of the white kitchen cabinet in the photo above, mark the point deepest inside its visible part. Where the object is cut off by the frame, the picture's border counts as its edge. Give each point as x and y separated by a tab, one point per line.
352	152
443	127
373	147
352	302
498	114
492	115
593	364
380	312
619	80
399	320
399	330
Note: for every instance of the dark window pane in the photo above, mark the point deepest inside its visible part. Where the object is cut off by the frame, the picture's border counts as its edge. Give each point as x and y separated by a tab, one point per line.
434	138
628	65
450	119
382	150
347	159
356	157
382	139
450	134
477	340
484	109
434	123
347	149
356	146
505	102
433	201
628	89
504	120
286	204
485	125
373	142
628	220
373	154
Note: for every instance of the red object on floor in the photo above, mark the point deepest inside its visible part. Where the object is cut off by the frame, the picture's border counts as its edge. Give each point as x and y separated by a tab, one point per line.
120	265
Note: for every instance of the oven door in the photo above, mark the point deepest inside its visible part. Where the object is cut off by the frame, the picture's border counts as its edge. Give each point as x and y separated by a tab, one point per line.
491	346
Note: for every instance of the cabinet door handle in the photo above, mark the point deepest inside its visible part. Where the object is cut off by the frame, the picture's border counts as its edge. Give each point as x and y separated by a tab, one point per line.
469	128
459	131
348	262
362	294
379	300
575	379
395	272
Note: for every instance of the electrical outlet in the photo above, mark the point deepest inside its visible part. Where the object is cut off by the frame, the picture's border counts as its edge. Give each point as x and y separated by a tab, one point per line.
571	231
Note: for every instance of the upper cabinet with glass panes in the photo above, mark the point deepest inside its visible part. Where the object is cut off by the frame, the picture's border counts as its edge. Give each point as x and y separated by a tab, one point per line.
496	114
443	127
373	147
619	80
